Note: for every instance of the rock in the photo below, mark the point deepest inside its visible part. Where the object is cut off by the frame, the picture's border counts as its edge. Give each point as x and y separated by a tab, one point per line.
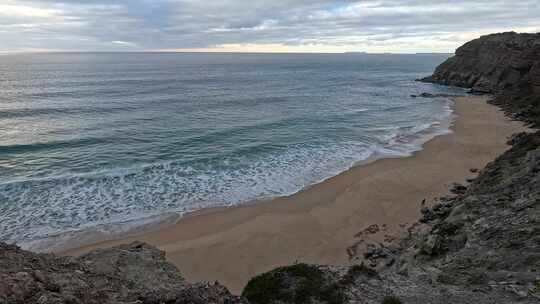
516	138
429	95
372	229
374	252
134	273
458	189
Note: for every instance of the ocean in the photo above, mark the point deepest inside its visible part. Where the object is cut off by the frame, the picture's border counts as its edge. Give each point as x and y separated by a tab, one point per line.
101	140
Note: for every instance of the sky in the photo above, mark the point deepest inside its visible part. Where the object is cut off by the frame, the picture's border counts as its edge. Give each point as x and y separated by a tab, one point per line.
396	26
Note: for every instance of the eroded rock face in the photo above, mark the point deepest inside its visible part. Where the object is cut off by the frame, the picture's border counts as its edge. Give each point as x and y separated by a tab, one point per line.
134	273
493	64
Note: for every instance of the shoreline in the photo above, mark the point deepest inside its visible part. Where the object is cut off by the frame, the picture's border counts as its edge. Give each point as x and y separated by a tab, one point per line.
319	223
71	240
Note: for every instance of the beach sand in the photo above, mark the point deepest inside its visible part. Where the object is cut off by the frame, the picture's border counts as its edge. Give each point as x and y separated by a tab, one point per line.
319	224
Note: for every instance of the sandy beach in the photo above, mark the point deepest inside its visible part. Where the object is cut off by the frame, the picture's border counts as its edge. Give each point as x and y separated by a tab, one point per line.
319	224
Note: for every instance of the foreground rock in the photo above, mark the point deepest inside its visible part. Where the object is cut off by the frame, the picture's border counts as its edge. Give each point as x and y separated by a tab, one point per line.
135	273
482	245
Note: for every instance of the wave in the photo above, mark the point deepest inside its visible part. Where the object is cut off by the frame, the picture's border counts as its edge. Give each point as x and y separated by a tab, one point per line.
35	147
32	112
361	110
38	208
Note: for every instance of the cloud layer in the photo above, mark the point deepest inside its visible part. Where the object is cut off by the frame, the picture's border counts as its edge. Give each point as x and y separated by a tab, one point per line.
258	25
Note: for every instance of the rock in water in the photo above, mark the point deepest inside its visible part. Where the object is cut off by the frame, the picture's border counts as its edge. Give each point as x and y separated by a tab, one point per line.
134	273
429	95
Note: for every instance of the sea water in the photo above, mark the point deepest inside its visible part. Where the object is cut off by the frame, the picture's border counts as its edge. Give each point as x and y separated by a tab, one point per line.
95	139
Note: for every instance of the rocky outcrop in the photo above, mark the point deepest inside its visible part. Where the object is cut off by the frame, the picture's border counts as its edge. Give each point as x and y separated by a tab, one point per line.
135	273
481	245
506	64
494	64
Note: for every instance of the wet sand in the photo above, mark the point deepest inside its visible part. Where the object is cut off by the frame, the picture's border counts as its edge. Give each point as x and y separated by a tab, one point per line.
318	224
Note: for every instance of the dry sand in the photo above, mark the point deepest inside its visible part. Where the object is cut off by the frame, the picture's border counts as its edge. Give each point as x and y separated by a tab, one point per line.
317	225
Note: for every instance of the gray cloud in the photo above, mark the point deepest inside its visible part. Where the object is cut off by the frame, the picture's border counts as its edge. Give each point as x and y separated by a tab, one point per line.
185	24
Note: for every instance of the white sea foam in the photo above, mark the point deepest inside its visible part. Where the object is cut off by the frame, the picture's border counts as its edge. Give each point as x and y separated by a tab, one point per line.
360	110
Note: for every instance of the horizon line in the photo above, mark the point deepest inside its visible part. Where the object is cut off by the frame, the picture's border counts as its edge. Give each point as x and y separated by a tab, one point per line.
217	52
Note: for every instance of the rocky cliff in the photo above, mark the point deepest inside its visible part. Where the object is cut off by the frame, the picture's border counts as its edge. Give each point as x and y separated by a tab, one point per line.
494	64
506	65
135	273
481	245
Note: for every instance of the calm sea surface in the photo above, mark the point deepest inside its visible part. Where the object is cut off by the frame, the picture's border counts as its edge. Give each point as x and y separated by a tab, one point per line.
88	140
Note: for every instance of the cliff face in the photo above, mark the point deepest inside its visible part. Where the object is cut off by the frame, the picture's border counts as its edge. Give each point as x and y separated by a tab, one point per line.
135	273
493	64
505	64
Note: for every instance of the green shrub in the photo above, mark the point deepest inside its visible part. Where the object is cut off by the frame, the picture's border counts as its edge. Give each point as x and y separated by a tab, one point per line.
299	284
391	300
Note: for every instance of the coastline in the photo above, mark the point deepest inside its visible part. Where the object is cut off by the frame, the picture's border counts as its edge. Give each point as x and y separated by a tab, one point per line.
318	224
398	145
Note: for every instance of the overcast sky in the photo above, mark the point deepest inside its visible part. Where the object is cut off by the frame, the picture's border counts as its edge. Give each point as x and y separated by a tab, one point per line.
258	25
